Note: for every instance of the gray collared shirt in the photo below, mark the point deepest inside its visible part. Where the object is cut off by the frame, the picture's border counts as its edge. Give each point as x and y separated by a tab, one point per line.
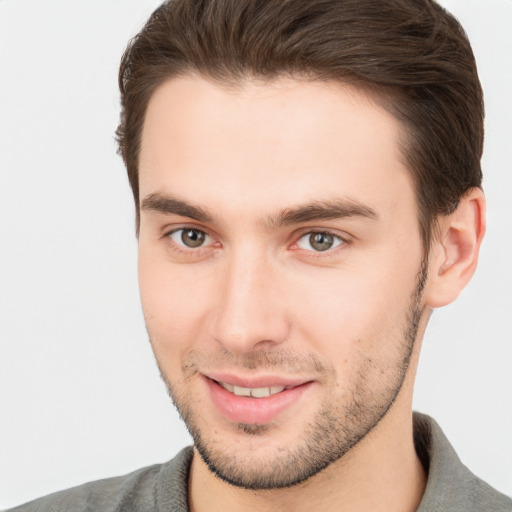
450	484
163	487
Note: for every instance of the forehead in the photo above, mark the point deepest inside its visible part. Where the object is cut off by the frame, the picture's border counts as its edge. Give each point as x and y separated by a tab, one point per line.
259	146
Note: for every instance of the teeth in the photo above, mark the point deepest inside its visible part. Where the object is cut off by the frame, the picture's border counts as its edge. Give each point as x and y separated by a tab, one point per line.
254	392
242	391
260	392
227	386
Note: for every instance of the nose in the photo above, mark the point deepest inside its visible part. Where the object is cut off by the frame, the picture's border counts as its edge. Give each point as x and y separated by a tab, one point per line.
250	314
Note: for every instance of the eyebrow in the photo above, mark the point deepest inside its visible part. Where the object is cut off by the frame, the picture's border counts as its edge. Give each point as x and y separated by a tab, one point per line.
323	210
318	210
170	206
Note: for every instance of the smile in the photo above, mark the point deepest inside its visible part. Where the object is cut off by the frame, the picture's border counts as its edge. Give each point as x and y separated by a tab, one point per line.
252	392
259	402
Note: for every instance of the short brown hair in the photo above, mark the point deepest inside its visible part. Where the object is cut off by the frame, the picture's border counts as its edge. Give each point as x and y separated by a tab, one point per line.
412	53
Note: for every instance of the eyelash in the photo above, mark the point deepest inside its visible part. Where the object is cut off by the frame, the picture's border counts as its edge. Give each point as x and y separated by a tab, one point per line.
328	252
183	249
199	251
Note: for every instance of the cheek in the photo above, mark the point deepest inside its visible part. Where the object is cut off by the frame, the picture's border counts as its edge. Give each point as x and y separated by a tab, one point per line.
346	309
173	301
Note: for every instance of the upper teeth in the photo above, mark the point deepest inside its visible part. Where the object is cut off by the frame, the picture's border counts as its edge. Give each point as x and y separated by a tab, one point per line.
254	392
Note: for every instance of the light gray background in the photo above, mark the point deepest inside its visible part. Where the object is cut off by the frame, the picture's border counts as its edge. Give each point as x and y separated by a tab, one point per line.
80	394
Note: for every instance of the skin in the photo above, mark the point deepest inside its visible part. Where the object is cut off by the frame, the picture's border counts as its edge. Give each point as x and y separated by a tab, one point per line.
255	300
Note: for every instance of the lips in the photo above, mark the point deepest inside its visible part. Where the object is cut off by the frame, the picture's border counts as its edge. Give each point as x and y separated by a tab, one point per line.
260	392
258	402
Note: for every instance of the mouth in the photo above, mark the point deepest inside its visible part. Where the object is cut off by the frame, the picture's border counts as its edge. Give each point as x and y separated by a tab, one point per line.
258	402
261	392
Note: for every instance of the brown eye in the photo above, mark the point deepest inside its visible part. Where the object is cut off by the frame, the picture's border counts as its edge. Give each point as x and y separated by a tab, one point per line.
319	241
188	237
192	237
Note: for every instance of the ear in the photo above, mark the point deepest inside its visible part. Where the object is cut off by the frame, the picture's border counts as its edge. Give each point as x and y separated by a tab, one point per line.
454	252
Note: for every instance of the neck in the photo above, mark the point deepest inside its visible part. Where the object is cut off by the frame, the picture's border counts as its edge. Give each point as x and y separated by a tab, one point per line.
381	473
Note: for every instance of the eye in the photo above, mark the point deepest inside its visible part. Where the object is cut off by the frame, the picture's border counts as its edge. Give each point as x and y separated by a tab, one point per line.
319	241
189	237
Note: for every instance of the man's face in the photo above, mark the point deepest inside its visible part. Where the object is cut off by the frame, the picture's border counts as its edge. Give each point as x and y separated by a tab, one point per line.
280	269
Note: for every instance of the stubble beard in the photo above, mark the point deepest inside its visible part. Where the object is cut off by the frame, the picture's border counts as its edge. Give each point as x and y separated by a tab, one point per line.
340	424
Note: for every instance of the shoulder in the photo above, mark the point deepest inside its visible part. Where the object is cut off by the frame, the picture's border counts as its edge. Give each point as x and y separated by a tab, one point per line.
450	484
154	488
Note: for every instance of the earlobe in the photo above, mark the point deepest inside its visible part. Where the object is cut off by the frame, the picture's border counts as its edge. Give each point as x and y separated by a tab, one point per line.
454	253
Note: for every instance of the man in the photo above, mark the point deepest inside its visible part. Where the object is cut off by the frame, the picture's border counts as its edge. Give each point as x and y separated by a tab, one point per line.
307	185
